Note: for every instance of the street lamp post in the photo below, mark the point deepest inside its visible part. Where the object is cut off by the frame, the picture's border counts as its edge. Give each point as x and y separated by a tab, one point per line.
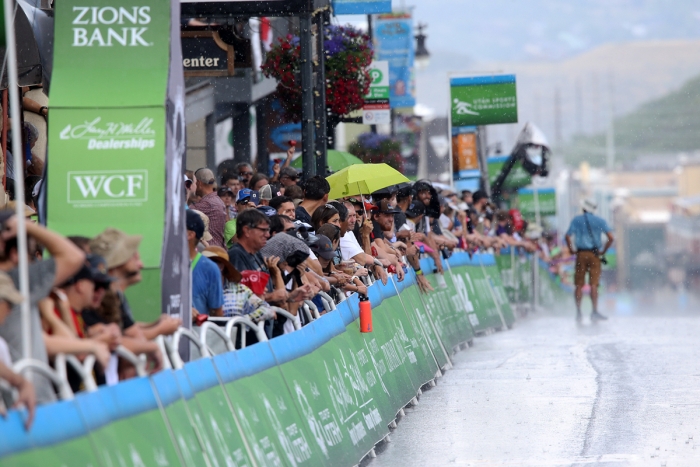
422	54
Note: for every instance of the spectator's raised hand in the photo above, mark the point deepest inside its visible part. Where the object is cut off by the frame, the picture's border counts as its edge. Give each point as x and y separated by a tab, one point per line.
272	263
361	272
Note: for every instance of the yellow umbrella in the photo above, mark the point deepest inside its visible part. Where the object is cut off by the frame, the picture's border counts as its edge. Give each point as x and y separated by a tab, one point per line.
363	179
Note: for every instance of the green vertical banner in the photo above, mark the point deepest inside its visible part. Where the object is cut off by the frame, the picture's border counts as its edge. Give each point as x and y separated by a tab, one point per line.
530	200
117	109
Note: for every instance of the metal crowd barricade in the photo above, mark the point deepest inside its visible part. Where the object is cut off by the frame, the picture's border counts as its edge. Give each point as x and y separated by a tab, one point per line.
29	365
328	302
242	322
139	361
175	358
84	369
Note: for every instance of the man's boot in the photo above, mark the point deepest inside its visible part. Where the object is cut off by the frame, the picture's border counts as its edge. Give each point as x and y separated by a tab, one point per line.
595	316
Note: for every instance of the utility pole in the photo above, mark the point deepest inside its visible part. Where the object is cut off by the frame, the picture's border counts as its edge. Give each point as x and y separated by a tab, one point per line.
307	96
320	20
610	136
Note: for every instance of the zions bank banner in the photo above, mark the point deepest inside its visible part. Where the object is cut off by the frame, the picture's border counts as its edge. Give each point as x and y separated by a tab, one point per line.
116	134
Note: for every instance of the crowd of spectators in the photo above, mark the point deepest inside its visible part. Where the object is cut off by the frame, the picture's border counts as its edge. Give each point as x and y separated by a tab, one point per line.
261	246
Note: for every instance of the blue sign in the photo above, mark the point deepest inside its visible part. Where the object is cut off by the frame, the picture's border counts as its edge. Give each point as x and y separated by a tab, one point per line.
393	42
361	7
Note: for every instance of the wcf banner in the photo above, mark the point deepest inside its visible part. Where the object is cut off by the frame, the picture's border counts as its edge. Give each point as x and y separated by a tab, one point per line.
116	136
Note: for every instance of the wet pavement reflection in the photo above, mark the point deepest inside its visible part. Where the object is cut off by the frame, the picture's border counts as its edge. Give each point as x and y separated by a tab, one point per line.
550	393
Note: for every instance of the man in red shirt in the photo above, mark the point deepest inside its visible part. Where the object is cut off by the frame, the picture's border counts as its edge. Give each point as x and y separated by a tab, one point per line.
211	205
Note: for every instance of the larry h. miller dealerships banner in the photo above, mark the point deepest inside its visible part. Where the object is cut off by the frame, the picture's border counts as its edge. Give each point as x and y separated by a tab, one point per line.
116	137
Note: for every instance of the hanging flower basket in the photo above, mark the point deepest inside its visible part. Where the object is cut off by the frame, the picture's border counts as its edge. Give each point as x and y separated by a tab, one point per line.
348	54
372	148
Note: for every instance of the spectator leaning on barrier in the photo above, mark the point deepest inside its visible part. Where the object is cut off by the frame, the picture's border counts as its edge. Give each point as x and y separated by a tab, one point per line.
10	298
65	261
211	205
316	191
207	294
383	221
121	252
239	300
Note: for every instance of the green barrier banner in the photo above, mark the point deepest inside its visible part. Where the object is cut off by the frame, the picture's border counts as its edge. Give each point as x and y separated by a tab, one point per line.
116	136
323	395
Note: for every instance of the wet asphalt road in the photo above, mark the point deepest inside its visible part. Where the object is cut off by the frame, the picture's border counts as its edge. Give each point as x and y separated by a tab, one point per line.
551	393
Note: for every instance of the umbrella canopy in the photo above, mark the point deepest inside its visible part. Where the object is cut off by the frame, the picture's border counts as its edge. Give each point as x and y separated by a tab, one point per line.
337	160
363	179
29	63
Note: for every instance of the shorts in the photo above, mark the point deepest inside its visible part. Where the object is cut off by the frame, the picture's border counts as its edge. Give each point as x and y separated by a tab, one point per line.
587	262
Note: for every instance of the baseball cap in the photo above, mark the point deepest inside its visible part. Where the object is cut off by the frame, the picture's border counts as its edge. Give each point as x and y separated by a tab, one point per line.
8	291
252	195
225	190
383	207
94	269
205	176
415	209
99	269
195	223
115	246
323	247
266	192
269	211
290	172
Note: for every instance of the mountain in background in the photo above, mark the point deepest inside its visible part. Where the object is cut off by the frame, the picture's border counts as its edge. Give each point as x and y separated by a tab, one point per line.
662	127
516	30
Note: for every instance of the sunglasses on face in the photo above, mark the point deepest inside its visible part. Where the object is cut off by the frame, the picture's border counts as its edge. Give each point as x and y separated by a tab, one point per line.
245	174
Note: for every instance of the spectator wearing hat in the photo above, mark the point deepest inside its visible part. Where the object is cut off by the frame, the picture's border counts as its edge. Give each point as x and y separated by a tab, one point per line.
229	198
288	176
9	298
316	191
325	250
266	194
584	233
207	293
206	238
383	221
124	265
43	275
190	189
211	205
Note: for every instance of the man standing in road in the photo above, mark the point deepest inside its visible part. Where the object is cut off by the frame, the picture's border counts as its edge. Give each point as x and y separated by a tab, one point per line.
587	229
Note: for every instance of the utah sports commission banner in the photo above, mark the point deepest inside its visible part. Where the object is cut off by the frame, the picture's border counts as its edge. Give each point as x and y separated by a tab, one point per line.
116	136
